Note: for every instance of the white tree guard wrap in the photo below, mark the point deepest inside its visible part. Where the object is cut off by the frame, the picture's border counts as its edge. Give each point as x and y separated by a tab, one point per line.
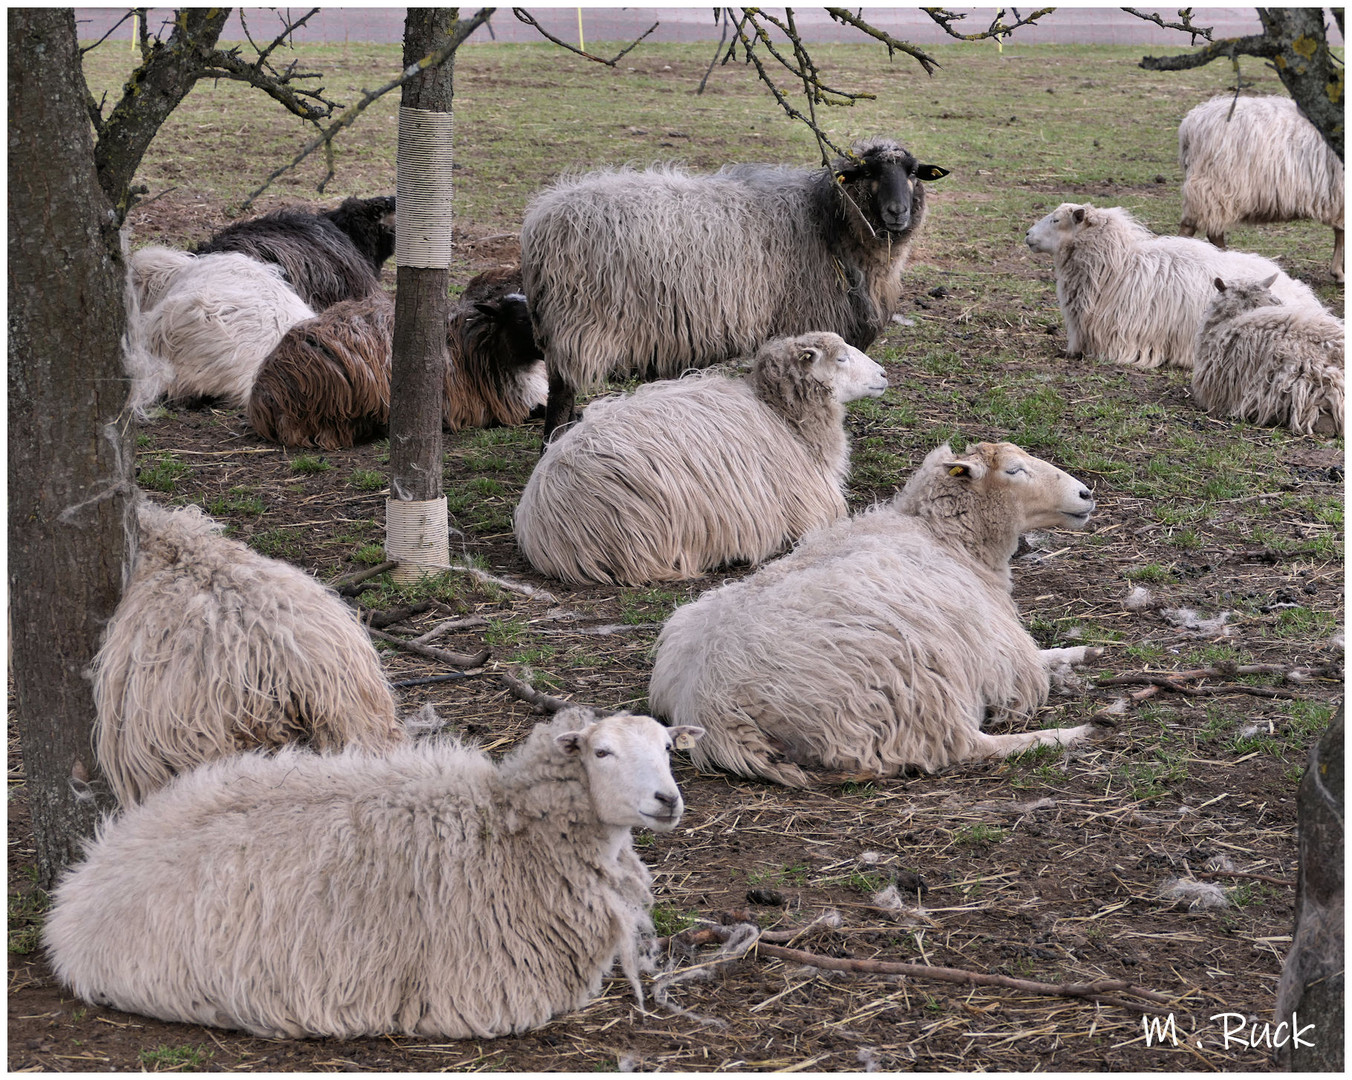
417	535
422	209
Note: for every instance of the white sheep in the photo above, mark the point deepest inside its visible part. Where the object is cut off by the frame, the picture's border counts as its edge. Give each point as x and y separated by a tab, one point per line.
881	641
652	272
688	474
1264	361
214	649
1132	297
200	326
426	891
1254	160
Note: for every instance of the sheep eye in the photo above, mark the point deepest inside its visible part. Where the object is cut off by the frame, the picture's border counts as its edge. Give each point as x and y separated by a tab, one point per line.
602	753
1015	470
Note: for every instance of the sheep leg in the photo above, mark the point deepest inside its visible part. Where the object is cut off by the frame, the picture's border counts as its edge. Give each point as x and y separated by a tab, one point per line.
1337	254
1002	746
1217	238
1074	655
559	409
1187	228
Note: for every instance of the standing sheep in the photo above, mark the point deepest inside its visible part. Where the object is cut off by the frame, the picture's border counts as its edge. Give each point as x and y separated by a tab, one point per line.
881	641
423	892
215	649
1132	297
327	383
653	272
330	256
200	326
1254	160
685	475
1260	360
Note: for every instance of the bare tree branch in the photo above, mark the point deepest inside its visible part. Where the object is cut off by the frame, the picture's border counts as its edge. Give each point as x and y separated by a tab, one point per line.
847	18
529	19
349	116
997	29
1185	24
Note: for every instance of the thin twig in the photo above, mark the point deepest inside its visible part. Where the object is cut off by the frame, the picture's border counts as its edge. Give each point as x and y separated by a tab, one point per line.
456	660
527	18
1242	874
348	580
547	702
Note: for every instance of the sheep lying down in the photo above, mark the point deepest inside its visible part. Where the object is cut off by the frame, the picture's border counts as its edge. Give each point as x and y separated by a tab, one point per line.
425	891
882	641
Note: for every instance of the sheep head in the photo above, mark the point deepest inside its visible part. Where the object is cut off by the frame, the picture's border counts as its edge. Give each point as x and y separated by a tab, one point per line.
882	180
1055	230
1239	296
370	225
985	498
628	772
789	373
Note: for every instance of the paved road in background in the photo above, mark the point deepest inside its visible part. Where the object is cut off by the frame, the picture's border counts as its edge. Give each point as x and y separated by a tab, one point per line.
1094	26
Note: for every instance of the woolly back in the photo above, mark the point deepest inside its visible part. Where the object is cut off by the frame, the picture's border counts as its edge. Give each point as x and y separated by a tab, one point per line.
327	383
320	260
215	649
1256	159
679	477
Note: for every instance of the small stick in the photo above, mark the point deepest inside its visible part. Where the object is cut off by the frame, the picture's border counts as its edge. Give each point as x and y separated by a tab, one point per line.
382	619
342	583
473	622
547	702
1242	874
458	660
428	680
511	586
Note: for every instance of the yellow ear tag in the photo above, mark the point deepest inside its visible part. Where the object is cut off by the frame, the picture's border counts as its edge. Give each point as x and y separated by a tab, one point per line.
684	741
840	178
957	470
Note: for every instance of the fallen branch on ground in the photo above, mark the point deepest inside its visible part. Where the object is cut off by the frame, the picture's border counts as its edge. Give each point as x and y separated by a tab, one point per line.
1244	874
343	584
519	688
1110	991
455	660
1174	680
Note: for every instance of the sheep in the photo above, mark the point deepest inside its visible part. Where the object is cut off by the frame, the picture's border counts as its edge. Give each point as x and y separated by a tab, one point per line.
214	648
327	383
199	326
330	256
1261	360
688	474
1132	297
656	271
1254	160
881	641
426	891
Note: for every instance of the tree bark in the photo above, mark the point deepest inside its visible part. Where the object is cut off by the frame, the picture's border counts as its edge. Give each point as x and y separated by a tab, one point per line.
1307	68
421	297
69	454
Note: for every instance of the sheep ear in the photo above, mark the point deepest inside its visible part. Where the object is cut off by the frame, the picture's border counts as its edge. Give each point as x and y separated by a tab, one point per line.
1220	285
930	172
684	736
491	310
570	742
807	356
961	469
1077	214
1268	283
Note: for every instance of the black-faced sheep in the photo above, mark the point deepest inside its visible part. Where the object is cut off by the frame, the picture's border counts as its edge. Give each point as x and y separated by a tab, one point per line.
653	272
327	383
1135	298
687	474
215	649
330	256
426	891
881	641
1254	160
200	326
1264	361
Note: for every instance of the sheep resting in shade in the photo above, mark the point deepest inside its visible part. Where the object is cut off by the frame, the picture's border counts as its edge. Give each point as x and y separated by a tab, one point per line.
685	475
214	649
327	383
200	326
880	642
1264	361
328	256
1254	160
1132	297
653	272
425	891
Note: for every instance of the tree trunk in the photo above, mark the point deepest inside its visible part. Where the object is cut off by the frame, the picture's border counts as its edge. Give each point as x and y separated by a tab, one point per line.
421	300
69	456
1307	69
